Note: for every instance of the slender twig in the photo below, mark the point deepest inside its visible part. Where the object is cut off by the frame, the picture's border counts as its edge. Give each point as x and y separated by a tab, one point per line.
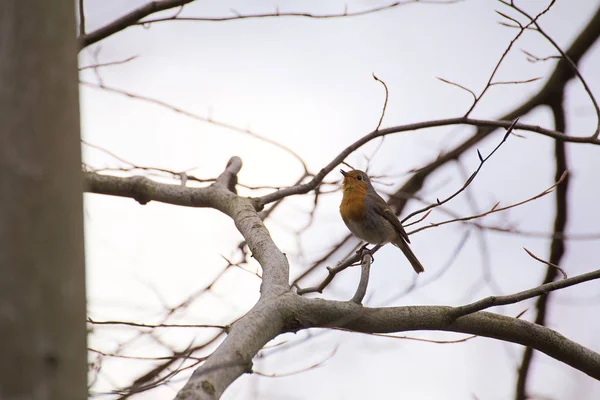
423	218
199	118
459	86
312	366
515	82
108	64
128	357
142	325
470	179
136	17
562	271
522	29
279	14
494	208
532	58
439	272
493	301
333	271
416	339
324	258
565	57
385	102
383	110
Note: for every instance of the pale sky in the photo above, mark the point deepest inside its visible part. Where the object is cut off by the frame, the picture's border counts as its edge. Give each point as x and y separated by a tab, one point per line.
308	84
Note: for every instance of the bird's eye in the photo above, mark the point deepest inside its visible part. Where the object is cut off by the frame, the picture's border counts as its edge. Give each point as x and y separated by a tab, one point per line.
360	178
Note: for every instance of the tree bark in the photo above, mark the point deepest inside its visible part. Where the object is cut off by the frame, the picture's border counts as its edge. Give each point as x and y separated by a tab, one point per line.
42	289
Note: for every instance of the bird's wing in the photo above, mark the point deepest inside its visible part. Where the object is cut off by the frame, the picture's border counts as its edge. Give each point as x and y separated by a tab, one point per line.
385	211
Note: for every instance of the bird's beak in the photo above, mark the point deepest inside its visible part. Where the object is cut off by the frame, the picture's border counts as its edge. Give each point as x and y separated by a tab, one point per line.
344	173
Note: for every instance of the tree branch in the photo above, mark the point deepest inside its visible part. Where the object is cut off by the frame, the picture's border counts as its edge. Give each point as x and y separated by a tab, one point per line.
487	125
541	290
557	246
348	315
365	268
128	20
561	74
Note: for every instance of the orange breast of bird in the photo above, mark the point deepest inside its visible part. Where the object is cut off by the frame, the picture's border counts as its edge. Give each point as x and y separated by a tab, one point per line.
353	205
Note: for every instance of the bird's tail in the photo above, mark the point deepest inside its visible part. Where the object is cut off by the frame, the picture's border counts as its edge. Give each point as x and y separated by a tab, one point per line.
414	261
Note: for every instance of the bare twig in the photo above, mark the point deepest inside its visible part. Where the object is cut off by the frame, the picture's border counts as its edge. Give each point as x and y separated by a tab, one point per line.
323	259
385	102
141	325
494	208
136	17
108	64
152	378
562	271
332	272
564	56
515	82
279	14
468	181
437	275
493	301
199	118
532	58
522	29
416	339
459	86
312	366
383	110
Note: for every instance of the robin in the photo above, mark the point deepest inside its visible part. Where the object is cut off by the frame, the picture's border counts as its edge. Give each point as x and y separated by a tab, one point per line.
369	217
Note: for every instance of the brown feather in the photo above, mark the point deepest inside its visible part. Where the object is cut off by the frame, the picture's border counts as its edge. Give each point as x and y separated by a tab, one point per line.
387	213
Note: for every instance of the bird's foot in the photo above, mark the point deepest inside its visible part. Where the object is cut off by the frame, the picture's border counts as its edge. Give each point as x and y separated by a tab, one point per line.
365	250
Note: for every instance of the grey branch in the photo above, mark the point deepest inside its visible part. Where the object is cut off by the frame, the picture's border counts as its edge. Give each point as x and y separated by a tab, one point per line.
279	310
365	268
349	315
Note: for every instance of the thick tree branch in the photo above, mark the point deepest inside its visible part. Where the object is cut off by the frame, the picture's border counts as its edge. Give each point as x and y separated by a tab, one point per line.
219	196
251	332
349	315
144	190
290	312
234	356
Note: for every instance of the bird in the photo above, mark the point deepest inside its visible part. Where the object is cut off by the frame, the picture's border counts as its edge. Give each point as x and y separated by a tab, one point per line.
369	217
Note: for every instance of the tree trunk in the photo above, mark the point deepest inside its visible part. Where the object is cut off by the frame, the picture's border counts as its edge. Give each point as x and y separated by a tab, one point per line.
42	282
